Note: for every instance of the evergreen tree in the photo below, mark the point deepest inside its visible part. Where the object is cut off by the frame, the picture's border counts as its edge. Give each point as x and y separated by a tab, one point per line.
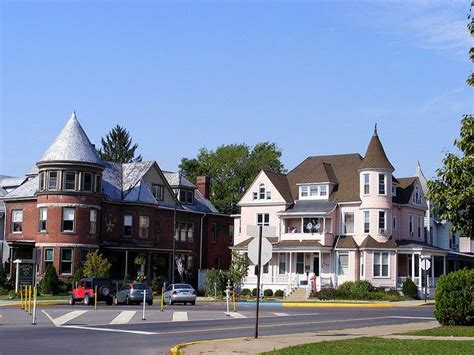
96	265
50	282
117	146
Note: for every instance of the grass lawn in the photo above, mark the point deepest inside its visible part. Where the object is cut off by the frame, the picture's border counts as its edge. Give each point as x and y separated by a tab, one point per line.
380	346
446	331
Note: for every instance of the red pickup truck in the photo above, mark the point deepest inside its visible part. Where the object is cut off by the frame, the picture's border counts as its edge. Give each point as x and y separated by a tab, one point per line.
85	291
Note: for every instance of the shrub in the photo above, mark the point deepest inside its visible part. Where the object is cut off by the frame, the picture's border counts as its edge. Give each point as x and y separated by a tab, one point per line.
279	293
268	293
157	283
453	297
63	288
356	290
3	276
50	282
3	291
215	282
328	294
409	289
254	292
78	275
245	292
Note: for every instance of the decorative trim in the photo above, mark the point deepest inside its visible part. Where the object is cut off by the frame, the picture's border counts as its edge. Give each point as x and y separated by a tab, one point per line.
61	205
67	245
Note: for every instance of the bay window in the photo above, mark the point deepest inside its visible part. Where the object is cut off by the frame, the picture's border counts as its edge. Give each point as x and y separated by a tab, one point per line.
343	264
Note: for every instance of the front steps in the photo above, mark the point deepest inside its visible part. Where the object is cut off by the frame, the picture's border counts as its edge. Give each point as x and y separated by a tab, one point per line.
298	294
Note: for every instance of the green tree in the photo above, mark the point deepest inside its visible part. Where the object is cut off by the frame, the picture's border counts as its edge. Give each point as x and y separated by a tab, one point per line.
78	275
231	169
453	189
117	146
3	276
50	282
96	265
238	268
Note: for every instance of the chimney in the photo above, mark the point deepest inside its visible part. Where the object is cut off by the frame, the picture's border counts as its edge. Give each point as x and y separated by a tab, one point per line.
203	184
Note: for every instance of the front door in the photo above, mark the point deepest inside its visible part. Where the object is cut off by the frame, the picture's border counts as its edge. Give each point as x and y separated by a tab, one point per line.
316	264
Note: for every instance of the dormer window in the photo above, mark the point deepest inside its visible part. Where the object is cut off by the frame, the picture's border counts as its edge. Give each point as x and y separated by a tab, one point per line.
186	196
313	192
157	191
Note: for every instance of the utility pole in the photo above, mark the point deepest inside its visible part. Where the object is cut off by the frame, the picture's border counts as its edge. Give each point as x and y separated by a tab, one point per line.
174	237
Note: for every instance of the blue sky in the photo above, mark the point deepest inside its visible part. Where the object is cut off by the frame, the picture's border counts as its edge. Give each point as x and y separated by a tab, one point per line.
312	76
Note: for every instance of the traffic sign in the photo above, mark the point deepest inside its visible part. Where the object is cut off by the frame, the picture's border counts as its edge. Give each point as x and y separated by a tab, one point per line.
425	264
267	231
266	251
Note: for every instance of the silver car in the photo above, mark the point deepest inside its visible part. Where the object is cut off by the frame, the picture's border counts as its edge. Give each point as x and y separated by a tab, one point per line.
180	293
133	294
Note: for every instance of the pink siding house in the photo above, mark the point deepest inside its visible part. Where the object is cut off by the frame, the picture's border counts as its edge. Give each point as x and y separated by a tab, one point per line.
339	218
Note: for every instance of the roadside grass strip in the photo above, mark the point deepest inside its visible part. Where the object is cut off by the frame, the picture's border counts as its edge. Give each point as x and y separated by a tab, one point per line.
369	345
445	331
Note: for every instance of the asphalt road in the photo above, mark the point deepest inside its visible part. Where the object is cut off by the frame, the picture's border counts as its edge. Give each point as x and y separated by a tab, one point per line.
121	330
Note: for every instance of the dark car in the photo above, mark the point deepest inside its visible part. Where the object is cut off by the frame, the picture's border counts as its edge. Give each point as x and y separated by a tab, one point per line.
85	291
133	294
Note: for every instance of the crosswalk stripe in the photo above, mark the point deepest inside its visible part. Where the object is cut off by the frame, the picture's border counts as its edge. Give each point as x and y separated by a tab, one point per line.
124	317
67	317
281	314
180	316
237	315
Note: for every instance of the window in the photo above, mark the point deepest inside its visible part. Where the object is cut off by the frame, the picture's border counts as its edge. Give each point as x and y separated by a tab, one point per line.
303	191
217	262
186	196
66	261
52	180
185	231
366	184
323	190
380	264
93	221
158	191
70	180
97	186
282	263
328	225
366	221
144	223
300	263
127	225
313	190
416	196
158	226
348	223
410	225
362	263
265	268
382	215
261	192
269	195
263	219
189	263
312	225
381	184
87	182
43	215
48	257
17	221
420	226
68	219
394	222
231	232
254	195
394	190
343	264
41	181
213	233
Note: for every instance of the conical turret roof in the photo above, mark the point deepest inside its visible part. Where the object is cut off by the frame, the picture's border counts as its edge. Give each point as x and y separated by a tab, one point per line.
72	145
375	157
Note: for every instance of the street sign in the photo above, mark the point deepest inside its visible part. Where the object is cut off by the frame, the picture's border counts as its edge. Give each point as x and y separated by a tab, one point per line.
266	251
425	264
267	231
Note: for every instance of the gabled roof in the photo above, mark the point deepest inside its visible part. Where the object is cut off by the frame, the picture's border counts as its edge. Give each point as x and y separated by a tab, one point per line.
280	181
341	169
423	181
404	190
346	242
375	157
371	243
72	144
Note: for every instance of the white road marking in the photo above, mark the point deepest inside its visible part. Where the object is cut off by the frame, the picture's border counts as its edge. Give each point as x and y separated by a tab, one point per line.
180	316
237	315
124	317
408	317
65	318
110	330
281	314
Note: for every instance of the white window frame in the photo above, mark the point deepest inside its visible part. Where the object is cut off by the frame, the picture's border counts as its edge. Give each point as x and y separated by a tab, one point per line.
158	191
263	223
64	220
366	184
362	265
344	223
65	174
42	181
381	265
313	191
282	260
56	187
40	227
47	260
144	222
254	196
384	184
339	254
268	195
20	213
366	221
383	230
93	215
304	192
262	191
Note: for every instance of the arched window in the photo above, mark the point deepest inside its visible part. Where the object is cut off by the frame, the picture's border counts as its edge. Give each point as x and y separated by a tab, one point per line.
261	192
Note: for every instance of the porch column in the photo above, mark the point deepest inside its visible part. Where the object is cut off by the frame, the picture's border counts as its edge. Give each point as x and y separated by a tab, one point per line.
420	271
412	265
289	275
126	264
444	265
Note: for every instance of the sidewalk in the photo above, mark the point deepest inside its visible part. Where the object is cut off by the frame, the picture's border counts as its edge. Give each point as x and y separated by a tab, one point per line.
274	342
16	303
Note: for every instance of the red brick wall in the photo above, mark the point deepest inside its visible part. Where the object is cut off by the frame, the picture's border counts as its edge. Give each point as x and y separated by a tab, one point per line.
221	247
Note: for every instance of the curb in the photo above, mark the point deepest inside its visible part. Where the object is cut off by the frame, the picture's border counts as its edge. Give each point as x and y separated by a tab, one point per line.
176	350
38	304
339	305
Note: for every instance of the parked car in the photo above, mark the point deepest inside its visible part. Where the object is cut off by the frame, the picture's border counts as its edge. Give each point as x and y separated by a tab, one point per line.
85	291
180	293
133	293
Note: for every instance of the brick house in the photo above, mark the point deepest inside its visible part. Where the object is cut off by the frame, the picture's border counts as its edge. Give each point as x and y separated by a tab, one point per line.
74	202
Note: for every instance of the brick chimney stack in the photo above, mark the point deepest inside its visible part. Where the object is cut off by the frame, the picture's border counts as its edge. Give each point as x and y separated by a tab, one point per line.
203	184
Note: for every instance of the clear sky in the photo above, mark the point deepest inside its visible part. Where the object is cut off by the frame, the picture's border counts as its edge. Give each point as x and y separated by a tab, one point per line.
312	76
